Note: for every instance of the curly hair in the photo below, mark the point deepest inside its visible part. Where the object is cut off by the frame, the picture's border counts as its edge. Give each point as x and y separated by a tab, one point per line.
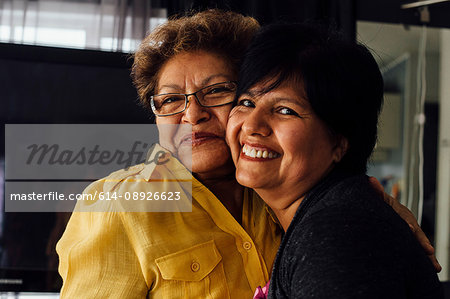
223	33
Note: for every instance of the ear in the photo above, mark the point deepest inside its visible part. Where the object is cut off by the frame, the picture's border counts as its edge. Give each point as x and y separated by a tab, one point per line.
340	148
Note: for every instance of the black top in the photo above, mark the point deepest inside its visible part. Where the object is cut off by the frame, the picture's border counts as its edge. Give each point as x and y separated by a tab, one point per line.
346	242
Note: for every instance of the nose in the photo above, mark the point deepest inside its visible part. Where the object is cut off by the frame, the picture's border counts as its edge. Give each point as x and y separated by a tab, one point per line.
195	113
255	124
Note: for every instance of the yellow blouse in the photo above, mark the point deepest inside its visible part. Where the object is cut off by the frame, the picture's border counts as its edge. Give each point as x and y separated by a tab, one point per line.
205	253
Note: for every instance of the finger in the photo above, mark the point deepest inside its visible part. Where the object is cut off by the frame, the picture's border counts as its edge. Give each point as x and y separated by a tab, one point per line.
422	238
435	262
411	220
426	245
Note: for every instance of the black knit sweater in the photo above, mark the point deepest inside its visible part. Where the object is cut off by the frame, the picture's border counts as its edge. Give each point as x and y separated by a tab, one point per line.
345	242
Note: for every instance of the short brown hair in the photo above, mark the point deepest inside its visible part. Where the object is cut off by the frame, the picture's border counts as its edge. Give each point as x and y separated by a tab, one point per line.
224	33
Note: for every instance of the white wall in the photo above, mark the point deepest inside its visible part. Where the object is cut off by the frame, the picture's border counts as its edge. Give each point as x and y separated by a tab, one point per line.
443	175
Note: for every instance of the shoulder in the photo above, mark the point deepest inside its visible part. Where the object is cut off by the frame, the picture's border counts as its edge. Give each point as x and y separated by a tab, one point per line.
352	238
110	182
351	200
160	163
97	195
350	213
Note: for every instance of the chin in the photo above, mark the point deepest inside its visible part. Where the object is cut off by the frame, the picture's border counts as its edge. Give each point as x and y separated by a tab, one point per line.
248	179
212	161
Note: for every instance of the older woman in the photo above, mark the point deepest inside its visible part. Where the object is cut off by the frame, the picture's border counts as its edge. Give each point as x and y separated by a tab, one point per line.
303	128
185	71
225	247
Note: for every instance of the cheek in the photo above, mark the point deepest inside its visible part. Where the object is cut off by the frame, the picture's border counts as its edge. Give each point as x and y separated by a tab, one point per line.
233	131
295	148
175	119
222	114
306	145
169	128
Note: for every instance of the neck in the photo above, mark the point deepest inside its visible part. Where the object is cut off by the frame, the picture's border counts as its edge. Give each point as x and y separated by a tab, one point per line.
285	204
227	190
286	214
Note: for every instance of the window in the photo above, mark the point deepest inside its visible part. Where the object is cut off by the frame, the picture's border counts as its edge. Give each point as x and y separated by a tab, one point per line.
104	25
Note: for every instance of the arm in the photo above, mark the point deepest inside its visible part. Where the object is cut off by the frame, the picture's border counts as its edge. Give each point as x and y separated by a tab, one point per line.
409	218
97	259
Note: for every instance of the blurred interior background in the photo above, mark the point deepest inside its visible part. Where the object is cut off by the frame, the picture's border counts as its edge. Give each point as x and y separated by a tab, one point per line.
68	61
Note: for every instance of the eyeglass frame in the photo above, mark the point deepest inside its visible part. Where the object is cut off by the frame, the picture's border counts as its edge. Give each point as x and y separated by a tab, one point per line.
186	99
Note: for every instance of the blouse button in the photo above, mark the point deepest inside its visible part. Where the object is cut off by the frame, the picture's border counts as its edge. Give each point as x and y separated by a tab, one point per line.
247	245
195	266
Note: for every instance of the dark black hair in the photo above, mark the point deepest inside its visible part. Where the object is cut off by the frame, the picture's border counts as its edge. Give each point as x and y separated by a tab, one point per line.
341	80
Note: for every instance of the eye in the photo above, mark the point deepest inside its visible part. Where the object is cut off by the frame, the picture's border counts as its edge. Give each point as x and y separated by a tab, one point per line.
246	103
287	111
171	99
219	90
168	100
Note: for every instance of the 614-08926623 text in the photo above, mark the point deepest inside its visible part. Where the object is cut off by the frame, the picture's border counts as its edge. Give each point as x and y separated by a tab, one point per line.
51	196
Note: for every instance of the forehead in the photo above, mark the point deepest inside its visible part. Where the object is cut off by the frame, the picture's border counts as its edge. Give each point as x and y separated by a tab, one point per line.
194	69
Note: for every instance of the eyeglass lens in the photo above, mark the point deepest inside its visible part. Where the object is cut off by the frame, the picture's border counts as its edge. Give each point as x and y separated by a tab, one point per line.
209	96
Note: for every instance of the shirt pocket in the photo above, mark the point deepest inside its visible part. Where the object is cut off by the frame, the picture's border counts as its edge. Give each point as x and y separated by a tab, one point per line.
195	272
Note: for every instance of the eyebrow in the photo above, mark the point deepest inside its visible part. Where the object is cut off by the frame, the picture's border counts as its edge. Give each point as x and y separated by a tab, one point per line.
249	93
203	83
174	86
301	103
290	100
208	79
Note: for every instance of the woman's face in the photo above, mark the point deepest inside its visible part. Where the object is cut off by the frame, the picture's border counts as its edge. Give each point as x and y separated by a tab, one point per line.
277	142
187	73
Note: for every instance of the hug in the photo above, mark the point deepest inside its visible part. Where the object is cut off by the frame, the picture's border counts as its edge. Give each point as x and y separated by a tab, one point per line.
284	119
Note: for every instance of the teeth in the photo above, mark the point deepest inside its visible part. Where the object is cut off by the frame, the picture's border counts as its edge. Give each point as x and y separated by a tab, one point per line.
254	153
245	149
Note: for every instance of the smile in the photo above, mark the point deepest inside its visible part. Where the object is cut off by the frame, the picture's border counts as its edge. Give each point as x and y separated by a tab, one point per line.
262	153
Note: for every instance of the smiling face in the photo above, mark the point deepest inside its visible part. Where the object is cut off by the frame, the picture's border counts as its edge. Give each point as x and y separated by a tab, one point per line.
187	73
279	146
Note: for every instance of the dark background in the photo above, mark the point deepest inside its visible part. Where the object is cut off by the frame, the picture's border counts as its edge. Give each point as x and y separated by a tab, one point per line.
53	85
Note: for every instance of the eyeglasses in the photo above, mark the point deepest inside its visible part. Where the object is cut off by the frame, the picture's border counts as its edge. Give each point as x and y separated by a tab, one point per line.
214	95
